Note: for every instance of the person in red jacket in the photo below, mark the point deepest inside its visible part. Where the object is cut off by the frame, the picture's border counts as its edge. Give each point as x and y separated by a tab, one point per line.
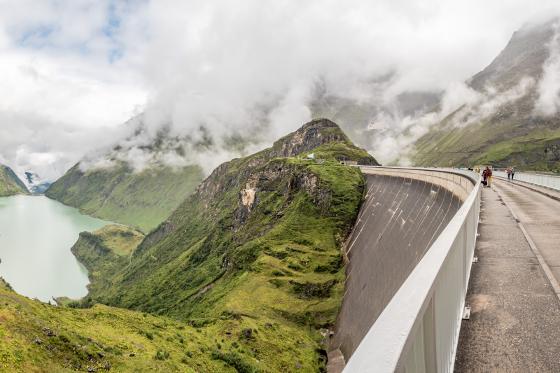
487	176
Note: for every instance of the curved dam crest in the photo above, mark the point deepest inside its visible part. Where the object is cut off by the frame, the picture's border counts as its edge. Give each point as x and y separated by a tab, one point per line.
399	220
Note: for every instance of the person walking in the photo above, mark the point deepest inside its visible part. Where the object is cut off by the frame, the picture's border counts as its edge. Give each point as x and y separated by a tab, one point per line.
485	177
512	173
508	171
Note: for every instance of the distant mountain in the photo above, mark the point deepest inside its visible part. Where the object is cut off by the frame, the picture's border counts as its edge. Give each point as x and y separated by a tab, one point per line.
512	119
142	199
137	182
368	121
10	183
35	184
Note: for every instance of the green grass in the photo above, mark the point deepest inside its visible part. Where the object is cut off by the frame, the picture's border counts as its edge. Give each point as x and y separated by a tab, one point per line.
10	184
499	143
340	151
104	252
223	285
141	200
121	240
37	337
275	263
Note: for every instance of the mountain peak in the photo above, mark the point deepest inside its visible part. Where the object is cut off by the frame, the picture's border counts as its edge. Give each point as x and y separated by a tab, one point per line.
524	56
308	137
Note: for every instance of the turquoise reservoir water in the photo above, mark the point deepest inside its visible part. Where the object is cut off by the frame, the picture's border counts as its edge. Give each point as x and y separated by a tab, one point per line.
36	234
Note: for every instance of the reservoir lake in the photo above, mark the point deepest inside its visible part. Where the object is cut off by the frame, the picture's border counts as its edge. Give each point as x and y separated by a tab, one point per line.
36	234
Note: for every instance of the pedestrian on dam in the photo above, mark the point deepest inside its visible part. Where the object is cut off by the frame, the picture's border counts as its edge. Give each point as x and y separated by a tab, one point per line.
487	176
508	171
512	172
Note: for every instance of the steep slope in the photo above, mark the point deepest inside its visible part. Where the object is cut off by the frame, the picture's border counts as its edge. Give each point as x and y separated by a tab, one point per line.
105	252
39	337
504	125
10	183
256	250
118	193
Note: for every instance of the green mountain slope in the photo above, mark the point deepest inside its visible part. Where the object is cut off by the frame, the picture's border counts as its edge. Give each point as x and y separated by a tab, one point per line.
503	127
139	199
10	184
255	251
38	337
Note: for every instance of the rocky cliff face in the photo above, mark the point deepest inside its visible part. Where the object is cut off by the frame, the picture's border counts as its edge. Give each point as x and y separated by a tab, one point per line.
307	138
256	246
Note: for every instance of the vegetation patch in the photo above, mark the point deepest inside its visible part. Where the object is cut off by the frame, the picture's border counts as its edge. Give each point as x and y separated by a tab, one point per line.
229	281
309	290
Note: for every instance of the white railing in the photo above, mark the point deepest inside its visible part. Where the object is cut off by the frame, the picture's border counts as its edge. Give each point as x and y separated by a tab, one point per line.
548	181
418	330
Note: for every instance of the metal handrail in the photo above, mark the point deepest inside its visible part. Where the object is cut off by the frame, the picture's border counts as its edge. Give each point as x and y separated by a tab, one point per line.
418	330
548	181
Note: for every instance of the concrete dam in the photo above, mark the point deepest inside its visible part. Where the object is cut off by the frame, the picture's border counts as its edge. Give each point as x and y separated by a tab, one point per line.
412	303
404	213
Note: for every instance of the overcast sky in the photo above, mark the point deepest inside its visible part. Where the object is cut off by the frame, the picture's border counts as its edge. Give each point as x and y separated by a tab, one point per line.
72	71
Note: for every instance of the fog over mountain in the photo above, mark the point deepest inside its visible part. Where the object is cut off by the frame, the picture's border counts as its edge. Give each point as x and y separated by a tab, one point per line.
206	81
509	112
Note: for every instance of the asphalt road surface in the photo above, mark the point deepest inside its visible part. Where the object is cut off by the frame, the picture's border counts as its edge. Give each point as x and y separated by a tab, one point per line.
540	215
515	312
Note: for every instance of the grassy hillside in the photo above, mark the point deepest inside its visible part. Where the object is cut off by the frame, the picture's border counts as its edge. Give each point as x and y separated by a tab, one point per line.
38	337
142	200
518	140
254	252
106	251
10	184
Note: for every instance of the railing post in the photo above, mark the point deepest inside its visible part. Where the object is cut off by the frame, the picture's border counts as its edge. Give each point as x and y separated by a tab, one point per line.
430	338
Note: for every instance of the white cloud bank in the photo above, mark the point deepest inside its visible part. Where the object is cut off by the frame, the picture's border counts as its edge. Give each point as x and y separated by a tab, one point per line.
73	70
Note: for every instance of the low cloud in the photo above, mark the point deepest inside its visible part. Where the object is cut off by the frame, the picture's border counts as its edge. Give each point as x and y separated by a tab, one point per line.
548	102
227	78
460	105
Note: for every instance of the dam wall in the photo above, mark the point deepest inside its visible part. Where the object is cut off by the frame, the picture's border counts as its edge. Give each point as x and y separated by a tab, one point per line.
404	212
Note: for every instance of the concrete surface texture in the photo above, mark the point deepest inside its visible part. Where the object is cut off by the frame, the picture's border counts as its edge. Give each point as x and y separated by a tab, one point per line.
399	220
515	314
552	193
540	215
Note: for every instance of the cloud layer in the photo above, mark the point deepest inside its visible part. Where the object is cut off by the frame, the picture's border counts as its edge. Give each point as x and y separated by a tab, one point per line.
72	71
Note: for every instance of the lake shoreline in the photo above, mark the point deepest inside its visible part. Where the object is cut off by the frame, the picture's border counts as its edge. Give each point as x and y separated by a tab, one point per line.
36	237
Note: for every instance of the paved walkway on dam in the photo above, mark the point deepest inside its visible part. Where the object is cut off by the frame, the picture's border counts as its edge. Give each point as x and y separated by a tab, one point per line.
515	310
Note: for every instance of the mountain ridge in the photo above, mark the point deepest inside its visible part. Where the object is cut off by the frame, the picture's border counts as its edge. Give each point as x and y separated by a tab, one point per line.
10	183
270	224
503	126
120	194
